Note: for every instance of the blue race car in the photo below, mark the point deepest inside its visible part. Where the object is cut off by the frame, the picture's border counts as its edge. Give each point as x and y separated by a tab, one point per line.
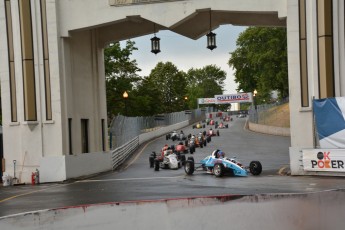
219	165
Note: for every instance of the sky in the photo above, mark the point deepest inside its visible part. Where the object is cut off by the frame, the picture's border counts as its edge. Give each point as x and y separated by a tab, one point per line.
186	53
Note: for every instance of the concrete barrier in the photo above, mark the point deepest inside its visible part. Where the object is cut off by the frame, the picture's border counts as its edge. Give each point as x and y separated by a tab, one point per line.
316	211
273	130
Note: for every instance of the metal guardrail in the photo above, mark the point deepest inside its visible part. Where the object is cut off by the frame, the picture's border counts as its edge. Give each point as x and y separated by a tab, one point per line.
120	154
129	128
123	129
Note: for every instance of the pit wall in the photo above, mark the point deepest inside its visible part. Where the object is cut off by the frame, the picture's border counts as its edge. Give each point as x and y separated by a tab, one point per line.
317	211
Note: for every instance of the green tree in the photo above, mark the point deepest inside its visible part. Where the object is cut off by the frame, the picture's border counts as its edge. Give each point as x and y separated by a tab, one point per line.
167	85
260	61
204	83
121	75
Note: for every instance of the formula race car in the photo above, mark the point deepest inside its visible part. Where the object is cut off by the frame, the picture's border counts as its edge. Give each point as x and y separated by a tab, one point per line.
181	148
212	132
198	126
227	118
173	136
221	126
218	165
166	160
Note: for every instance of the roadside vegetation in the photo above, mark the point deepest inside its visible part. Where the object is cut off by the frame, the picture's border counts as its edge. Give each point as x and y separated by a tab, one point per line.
278	116
259	62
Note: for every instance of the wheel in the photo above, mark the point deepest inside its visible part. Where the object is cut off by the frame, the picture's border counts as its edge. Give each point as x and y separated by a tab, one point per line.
255	168
192	149
218	170
186	142
201	145
190	159
217	132
156	165
189	167
209	139
152	161
205	143
167	137
203	126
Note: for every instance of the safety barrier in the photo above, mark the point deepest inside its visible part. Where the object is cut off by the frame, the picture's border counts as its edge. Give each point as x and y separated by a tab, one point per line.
120	154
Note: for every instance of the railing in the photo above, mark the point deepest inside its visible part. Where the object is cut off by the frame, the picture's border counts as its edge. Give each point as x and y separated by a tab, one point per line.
123	129
122	153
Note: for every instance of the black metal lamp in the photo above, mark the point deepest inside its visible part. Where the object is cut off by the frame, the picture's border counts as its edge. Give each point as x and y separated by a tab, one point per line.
155	46
211	37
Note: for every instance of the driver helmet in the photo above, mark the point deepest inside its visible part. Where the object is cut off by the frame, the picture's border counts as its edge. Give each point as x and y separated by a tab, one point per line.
221	154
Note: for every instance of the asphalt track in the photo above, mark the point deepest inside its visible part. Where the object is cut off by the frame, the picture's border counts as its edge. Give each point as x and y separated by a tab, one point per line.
135	181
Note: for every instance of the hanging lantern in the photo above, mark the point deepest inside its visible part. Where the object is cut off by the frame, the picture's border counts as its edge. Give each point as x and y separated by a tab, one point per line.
211	40
155	46
211	37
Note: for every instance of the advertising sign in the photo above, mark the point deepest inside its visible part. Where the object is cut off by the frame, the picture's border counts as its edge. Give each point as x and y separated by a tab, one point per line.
324	160
233	98
206	101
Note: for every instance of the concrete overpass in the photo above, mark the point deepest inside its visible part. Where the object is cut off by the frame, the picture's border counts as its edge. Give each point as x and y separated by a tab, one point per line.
53	81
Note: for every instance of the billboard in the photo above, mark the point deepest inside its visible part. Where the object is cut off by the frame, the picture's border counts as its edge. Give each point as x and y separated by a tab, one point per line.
206	101
233	98
324	160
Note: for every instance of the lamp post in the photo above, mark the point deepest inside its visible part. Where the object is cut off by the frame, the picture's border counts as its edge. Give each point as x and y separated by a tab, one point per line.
125	97
255	107
185	102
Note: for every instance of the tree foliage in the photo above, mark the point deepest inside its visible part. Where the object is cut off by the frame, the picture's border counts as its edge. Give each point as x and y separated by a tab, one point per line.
121	75
260	61
205	83
165	90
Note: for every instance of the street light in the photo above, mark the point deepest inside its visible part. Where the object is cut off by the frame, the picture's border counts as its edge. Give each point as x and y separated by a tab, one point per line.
185	102
255	107
125	97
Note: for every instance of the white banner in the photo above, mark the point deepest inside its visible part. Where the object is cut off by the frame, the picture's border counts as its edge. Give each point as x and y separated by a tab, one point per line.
206	101
324	160
234	98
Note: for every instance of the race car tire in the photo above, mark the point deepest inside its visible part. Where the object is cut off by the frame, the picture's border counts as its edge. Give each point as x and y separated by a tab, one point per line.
209	139
255	168
186	142
167	137
152	161
205	143
201	145
190	159
203	126
192	149
218	170
189	167
226	126
156	165
217	132
173	138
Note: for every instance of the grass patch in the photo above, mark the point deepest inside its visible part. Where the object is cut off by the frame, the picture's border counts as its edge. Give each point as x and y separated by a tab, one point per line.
278	116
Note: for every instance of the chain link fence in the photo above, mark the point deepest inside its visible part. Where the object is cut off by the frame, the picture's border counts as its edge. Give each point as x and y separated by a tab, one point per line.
124	129
268	114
